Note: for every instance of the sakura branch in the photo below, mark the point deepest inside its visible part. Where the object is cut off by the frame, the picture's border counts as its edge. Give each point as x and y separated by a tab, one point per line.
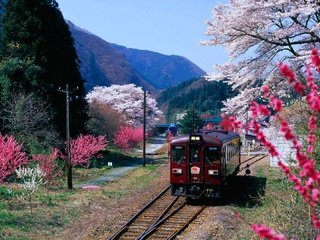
280	30
307	181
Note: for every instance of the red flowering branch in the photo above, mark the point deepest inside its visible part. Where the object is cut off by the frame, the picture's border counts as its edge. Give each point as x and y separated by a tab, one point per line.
128	137
48	164
85	147
265	232
230	123
11	156
306	183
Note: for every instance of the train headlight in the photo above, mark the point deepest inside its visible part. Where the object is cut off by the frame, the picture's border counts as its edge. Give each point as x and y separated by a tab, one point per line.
176	170
213	172
195	138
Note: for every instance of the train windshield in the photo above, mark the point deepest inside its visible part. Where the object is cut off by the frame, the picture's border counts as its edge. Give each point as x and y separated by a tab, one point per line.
178	154
195	153
212	154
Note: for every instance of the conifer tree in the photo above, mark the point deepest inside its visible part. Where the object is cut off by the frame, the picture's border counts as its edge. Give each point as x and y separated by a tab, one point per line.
35	32
191	121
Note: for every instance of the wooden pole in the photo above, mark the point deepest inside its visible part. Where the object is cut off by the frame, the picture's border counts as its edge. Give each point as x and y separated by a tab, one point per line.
69	174
144	127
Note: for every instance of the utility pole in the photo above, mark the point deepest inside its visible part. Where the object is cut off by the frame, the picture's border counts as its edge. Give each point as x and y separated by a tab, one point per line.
69	165
69	174
144	127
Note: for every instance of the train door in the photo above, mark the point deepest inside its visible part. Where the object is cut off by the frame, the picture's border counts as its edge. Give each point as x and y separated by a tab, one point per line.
195	164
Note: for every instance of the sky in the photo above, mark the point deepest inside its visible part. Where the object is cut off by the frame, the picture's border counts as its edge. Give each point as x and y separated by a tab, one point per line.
172	27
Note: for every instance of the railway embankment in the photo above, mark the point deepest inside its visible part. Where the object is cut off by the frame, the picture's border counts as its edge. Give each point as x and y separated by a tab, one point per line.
264	197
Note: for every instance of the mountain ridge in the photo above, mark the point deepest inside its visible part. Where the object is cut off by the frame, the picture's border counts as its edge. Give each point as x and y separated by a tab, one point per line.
103	63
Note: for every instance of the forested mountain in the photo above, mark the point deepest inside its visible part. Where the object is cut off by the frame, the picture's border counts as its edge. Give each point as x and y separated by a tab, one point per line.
103	63
162	71
205	96
100	63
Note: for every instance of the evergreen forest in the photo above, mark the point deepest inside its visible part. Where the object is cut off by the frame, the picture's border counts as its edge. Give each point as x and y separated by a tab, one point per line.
37	58
202	95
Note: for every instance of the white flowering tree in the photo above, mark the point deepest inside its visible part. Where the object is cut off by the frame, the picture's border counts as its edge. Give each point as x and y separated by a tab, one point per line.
258	35
31	178
127	100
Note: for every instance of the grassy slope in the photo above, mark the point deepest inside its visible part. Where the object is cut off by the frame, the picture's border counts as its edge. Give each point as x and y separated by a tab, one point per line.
55	213
276	205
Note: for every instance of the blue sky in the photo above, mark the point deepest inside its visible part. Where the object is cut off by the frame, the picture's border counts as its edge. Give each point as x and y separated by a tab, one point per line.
165	26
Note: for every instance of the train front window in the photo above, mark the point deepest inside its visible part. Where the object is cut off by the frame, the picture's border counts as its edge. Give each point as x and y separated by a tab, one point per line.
212	154
195	153
178	154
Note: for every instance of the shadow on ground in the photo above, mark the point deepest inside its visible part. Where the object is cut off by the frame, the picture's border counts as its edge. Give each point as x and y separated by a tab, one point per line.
242	191
245	191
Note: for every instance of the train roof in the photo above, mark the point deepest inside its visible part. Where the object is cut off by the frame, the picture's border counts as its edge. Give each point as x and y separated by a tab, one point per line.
216	137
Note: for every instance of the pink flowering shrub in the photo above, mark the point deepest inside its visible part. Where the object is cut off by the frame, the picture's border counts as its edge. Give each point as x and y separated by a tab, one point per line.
48	165
11	156
128	137
306	181
85	147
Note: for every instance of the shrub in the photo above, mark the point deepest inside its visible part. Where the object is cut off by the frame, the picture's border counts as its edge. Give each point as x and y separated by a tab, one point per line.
11	156
85	147
48	165
128	137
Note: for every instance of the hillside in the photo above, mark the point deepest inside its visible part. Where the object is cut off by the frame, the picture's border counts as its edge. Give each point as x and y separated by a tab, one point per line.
103	63
162	71
205	96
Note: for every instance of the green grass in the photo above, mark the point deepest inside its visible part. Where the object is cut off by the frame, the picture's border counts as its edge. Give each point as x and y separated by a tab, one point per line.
281	208
146	177
114	194
54	212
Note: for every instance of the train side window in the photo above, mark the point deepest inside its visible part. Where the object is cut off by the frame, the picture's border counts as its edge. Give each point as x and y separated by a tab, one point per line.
178	154
212	154
194	153
223	155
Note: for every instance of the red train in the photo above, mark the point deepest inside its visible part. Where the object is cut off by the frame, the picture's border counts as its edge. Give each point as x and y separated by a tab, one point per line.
201	162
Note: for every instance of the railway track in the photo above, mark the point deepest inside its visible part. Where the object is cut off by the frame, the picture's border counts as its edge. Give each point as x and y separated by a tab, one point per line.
164	217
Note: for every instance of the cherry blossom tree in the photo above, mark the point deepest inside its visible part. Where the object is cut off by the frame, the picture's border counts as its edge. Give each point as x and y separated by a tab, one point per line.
48	165
128	100
11	156
83	148
32	179
258	34
127	137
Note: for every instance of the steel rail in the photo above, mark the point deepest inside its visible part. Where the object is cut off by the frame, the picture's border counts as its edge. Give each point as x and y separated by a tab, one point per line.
154	227
160	217
125	226
186	224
